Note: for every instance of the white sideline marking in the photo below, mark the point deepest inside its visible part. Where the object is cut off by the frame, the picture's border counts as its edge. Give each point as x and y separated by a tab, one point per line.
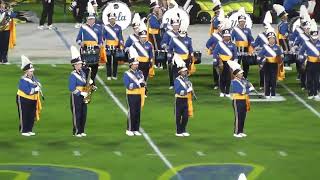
53	65
282	153
152	154
118	153
145	135
76	153
301	100
200	153
240	153
35	153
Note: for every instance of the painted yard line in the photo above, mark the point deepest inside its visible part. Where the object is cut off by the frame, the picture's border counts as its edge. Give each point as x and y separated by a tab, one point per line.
240	153
118	153
145	135
283	153
152	154
200	153
53	65
35	153
76	153
301	100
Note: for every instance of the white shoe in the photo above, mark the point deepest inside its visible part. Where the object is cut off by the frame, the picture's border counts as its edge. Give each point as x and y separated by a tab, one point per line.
186	134
137	133
260	88
145	96
41	27
78	135
156	67
221	95
268	97
83	134
109	78
25	134
179	135
171	87
215	87
114	78
243	134
237	135
129	133
227	95
310	97
317	97
78	25
302	88
273	97
32	133
51	27
6	63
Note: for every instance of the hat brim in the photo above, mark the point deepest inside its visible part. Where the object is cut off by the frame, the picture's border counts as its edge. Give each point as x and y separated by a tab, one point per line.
79	62
143	36
30	70
183	69
240	72
226	35
91	17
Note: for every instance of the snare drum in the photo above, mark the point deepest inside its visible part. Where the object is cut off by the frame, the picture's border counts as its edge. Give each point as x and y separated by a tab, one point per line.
120	55
160	56
90	54
197	56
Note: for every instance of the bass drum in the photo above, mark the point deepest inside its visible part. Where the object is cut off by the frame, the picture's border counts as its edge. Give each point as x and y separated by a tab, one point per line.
233	18
293	23
184	16
123	13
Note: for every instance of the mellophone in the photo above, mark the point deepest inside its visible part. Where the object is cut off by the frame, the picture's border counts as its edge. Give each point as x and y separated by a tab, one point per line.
90	54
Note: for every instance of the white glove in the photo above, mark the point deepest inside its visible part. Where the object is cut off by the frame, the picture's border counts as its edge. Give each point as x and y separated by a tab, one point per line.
90	81
235	60
37	89
131	86
84	94
189	89
251	88
74	3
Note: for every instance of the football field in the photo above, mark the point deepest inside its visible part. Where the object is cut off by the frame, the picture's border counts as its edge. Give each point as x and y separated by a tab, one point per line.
282	143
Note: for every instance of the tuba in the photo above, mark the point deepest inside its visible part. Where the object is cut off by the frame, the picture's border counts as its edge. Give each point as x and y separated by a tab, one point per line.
89	88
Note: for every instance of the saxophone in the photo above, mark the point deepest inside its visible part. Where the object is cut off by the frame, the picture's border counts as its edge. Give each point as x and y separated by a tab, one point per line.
90	88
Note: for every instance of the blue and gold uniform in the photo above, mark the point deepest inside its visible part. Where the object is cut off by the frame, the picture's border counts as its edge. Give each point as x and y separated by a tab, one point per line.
183	102
240	101
211	44
6	26
133	38
135	89
223	52
112	35
243	40
311	49
270	55
90	36
181	46
145	58
28	99
153	26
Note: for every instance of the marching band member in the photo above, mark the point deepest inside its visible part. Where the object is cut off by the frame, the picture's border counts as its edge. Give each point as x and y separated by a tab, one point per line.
183	99
223	52
90	34
243	40
77	84
262	40
167	37
47	11
311	48
134	37
283	31
154	23
135	90
28	98
6	16
269	56
114	41
182	46
211	43
215	21
240	88
145	51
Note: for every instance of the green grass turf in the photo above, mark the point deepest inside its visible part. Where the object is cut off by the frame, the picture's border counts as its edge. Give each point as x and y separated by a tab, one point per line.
271	127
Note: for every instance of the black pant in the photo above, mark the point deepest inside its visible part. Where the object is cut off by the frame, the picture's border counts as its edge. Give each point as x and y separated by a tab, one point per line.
284	43
215	76
240	112
82	8
4	45
225	78
170	71
175	68
181	110
312	78
270	78
155	39
245	65
261	73
47	11
134	105
112	61
27	113
79	113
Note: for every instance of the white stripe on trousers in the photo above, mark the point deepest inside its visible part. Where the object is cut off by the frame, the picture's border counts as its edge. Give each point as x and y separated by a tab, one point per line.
74	114
236	116
20	112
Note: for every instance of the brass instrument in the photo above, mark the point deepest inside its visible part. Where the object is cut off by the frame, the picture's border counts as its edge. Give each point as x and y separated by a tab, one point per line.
89	88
